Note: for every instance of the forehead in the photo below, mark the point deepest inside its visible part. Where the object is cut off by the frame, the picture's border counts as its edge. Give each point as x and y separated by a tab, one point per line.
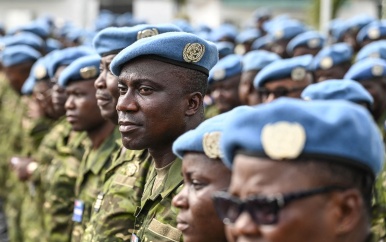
107	58
253	175
84	85
288	82
143	66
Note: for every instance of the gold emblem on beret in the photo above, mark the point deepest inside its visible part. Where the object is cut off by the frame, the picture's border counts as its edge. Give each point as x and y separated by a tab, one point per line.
298	74
313	43
219	74
2	46
326	63
147	33
377	70
283	140
211	145
131	169
88	72
373	33
240	49
193	52
307	98
374	55
279	34
40	72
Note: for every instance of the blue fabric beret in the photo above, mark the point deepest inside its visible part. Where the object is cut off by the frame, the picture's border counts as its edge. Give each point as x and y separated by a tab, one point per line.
83	68
112	40
287	29
66	56
345	89
178	48
332	55
38	27
25	38
124	20
262	12
288	129
295	67
228	66
372	31
29	84
205	138
355	23
18	54
183	25
248	35
376	49
262	42
310	39
258	59
223	31
225	48
53	44
367	69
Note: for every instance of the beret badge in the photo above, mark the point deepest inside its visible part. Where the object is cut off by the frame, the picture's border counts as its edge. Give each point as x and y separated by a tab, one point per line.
326	63
283	140
377	70
193	52
219	74
88	72
211	145
298	74
40	72
147	33
313	43
374	33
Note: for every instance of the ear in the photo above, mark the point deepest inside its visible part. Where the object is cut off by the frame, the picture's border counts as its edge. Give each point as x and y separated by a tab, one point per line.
350	210
195	101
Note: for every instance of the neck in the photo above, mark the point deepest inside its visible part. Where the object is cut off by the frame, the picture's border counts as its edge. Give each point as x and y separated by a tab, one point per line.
100	134
162	156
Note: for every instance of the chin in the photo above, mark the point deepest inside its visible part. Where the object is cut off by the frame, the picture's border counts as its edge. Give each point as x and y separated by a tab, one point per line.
130	144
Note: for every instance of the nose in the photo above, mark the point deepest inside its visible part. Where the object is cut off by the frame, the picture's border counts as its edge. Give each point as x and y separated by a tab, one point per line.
69	103
181	200
270	98
127	102
244	226
100	82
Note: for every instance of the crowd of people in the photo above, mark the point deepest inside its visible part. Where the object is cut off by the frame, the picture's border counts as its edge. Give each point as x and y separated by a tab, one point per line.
172	132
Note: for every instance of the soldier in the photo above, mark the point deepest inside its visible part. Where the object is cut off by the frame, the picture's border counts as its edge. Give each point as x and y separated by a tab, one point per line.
297	175
373	31
310	42
204	173
376	49
83	114
112	218
253	63
287	77
332	62
162	82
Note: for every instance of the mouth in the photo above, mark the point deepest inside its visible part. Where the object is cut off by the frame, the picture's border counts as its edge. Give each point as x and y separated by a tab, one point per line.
71	118
182	225
127	126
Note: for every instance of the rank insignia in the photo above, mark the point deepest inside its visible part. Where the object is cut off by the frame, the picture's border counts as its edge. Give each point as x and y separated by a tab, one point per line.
131	169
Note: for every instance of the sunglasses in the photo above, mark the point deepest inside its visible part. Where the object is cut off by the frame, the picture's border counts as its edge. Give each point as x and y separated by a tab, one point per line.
278	92
264	210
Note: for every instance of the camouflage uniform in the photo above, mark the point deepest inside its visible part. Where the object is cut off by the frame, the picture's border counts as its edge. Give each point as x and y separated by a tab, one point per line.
156	218
211	111
89	182
60	178
112	218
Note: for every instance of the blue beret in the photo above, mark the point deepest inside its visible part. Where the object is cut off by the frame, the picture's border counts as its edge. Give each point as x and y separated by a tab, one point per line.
38	27
345	89
258	59
206	137
225	48
332	55
286	29
29	84
124	20
248	35
367	69
53	44
227	67
295	67
353	24
261	13
288	129
376	49
112	40
66	56
310	39
372	31
262	42
18	54
183	25
25	38
83	68
224	30
105	19
177	48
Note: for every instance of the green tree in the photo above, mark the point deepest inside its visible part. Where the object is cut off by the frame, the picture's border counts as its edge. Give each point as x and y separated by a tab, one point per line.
315	10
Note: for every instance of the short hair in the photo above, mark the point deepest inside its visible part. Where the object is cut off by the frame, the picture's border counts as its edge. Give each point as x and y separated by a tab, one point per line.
339	174
193	80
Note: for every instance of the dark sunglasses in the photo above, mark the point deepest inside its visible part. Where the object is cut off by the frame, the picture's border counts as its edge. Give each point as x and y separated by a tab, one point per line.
262	209
278	92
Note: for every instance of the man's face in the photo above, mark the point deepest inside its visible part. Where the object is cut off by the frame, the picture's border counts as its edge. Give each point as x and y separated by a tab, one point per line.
42	93
247	93
81	106
225	93
285	87
303	50
17	74
107	90
59	95
335	72
197	218
152	104
259	176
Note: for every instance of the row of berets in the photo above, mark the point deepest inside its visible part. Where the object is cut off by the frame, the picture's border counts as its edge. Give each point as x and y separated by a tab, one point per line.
282	57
